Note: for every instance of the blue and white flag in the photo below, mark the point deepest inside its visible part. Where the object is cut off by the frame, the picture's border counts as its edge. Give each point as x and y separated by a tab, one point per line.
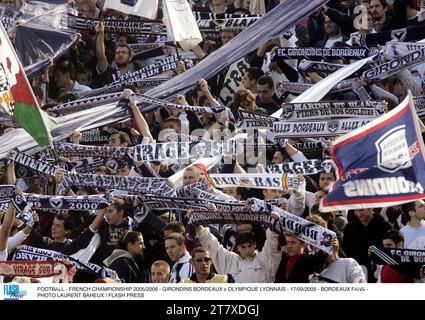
380	164
44	34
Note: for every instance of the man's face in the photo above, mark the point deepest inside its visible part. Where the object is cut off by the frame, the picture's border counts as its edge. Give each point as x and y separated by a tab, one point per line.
58	229
271	194
377	10
159	274
232	191
113	215
122	56
364	215
398	89
420	209
388	243
114	140
190	177
173	249
264	92
294	246
326	179
83	78
331	28
85	9
202	262
226	36
246	81
60	79
136	248
246	250
278	158
172	126
37	186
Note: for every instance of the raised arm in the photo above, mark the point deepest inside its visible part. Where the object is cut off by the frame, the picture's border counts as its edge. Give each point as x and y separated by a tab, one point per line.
6	226
102	62
11	177
140	121
97	222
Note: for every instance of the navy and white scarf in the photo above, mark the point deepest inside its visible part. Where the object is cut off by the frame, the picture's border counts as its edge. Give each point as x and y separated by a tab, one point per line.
214	16
316	66
326	53
307	231
84	104
330	110
398	256
309	167
91	164
190	151
131	184
296	87
393	66
38	166
381	38
75	203
76	150
118	26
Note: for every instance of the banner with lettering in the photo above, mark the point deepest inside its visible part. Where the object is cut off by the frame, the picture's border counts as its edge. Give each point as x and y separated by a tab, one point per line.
381	164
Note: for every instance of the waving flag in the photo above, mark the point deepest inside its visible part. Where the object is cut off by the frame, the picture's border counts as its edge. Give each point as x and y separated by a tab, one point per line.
43	34
142	8
181	24
16	96
380	164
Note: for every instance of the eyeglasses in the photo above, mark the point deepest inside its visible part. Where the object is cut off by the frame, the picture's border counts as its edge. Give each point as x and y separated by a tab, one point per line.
202	259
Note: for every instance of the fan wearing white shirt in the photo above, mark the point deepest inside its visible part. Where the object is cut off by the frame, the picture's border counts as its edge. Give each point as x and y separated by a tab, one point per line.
414	231
333	33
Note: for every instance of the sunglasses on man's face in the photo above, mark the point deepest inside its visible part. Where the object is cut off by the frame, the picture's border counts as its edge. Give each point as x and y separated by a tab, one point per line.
202	259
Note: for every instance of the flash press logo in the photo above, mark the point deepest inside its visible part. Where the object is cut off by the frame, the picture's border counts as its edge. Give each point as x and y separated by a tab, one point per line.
12	292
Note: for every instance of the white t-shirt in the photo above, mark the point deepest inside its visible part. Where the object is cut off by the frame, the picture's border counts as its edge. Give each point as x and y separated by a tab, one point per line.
414	238
330	42
345	270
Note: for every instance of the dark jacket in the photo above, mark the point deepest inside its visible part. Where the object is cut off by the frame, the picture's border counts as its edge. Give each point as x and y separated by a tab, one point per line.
35	239
358	238
345	22
303	267
126	268
109	236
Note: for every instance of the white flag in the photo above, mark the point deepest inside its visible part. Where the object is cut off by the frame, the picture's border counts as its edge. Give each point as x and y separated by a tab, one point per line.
141	8
181	24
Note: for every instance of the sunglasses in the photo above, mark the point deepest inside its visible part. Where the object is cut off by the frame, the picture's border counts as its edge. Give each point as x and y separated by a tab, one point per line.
202	259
